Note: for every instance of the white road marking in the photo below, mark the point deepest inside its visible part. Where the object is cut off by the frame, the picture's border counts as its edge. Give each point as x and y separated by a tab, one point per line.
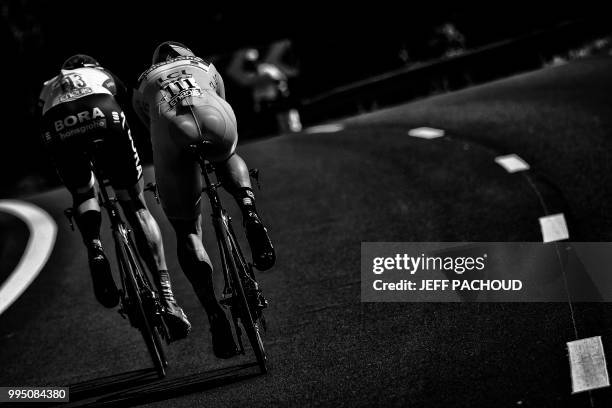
331	128
588	364
43	231
512	163
554	228
426	133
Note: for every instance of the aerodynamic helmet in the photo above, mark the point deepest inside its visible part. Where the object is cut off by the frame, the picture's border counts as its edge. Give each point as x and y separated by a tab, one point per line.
80	61
169	50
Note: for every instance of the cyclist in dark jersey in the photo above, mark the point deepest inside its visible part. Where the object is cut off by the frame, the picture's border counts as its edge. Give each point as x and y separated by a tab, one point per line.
181	99
81	104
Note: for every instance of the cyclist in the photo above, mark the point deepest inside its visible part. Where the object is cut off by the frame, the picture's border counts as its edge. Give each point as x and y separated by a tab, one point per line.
181	99
83	103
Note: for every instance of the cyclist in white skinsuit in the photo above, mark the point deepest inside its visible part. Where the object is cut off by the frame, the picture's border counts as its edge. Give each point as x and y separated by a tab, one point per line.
181	99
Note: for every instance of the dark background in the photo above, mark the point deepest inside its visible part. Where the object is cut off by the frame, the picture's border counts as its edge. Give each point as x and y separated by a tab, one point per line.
334	45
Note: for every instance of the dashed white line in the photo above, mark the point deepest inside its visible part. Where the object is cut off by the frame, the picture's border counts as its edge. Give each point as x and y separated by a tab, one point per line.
512	163
331	128
43	231
554	228
588	364
426	132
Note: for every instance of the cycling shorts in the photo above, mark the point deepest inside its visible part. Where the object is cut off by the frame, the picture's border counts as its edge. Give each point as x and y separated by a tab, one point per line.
68	130
206	117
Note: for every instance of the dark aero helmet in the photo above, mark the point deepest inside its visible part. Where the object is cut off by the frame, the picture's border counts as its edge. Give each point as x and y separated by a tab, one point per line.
80	61
169	50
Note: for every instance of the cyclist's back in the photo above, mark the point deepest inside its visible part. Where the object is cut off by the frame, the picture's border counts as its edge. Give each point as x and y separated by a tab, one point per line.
186	94
189	74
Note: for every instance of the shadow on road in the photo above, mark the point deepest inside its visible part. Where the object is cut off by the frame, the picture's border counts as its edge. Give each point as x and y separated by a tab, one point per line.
142	386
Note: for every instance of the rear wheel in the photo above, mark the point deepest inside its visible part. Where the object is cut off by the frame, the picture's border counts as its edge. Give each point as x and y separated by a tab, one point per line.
140	317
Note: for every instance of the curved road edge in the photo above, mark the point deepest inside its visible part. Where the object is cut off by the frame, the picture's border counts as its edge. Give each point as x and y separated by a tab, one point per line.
43	231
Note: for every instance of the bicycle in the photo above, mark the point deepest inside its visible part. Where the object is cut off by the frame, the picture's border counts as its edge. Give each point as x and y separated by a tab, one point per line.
241	292
140	303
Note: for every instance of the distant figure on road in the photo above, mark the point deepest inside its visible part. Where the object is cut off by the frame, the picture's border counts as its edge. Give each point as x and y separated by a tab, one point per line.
181	99
81	104
268	79
447	41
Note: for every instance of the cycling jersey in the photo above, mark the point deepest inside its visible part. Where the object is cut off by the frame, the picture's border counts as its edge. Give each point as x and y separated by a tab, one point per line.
182	102
73	84
179	80
80	105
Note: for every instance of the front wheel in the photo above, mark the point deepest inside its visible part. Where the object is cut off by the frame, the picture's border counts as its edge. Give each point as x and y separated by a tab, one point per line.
137	309
241	304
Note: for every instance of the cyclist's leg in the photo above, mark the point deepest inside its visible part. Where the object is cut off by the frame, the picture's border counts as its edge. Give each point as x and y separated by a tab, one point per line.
150	246
67	153
86	207
218	125
180	188
74	170
196	264
235	176
122	164
146	230
126	176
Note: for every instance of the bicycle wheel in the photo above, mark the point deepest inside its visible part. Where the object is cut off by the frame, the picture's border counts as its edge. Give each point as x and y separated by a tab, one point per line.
150	304
238	269
151	338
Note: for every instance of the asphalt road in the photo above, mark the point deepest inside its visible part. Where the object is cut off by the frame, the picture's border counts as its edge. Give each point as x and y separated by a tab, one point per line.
325	193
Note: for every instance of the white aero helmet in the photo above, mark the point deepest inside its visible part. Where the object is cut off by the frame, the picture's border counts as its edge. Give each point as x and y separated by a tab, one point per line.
169	50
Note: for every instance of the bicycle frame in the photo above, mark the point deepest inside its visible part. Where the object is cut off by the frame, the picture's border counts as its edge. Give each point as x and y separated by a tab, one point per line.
121	232
220	219
136	286
235	276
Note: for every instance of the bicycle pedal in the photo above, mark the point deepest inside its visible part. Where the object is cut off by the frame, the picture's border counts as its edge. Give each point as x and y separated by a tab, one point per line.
263	302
